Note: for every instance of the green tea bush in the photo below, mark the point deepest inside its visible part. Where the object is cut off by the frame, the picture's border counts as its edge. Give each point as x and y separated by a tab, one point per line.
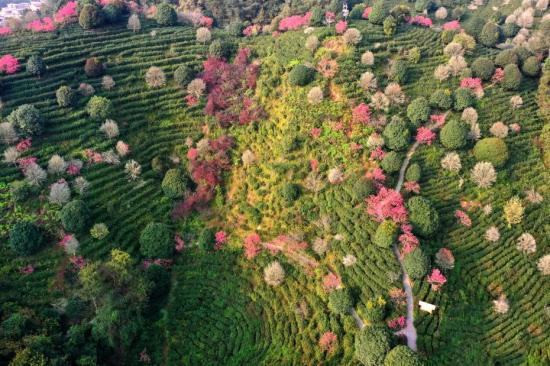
340	301
398	71
413	173
512	77
386	234
510	30
375	310
99	108
65	96
93	67
490	34
14	326
397	134
402	356
357	11
464	98
483	68
422	216
112	13
418	111
36	65
27	120
290	192
493	150
506	57
155	241
318	16
378	13
441	99
20	190
166	15
25	238
371	345
174	185
362	188
235	28
207	239
74	216
301	75
531	67
183	75
416	264
90	17
392	162
454	134
220	49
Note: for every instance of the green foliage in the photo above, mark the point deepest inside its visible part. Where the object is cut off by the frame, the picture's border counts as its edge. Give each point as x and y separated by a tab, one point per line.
392	162
183	75
301	75
390	24
166	15
99	231
416	264
414	55
235	28
375	310
75	216
397	134
220	49
454	134
20	190
156	241
317	17
400	12
112	13
413	173
512	77
99	108
340	301
27	357
25	238
362	188
510	30
386	234
447	36
357	11
174	185
379	12
27	120
474	25
90	17
464	98
36	65
422	216
371	345
490	34
493	150
483	68
398	71
441	99
402	356
93	67
506	57
523	53
65	96
531	67
290	192
418	111
207	239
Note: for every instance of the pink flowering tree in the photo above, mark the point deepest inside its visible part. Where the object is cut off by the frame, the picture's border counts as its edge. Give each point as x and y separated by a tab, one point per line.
498	76
180	244
41	25
408	240
397	323
474	84
452	25
421	21
367	12
361	114
221	239
388	203
376	174
5	31
66	13
412	187
328	342
252	246
24	145
330	17
341	26
331	281
438	120
436	279
377	154
294	22
425	135
9	64
463	218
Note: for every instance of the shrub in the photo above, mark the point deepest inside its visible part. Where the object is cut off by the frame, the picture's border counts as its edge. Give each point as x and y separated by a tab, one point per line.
317	17
74	216
416	264
312	42
357	11
392	162
367	58
134	24
203	35
441	99
25	238
512	77
207	239
483	174
464	98
490	34
386	234
544	265
499	129
315	95
371	344
155	78
397	134
390	24
340	301
513	211
362	188
183	75
509	30
352	36
423	216
531	67
27	120
36	65
483	68
274	274
493	150
235	28
220	49
413	173
99	231
402	356
196	88
112	13
60	193
20	190
378	13
155	241
99	108
301	75
90	17
454	134
57	165
418	111
166	16
290	192
174	185
14	328
107	82
506	57
398	71
65	96
93	67
8	135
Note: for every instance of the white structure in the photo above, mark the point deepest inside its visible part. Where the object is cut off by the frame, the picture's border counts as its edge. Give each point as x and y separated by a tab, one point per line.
16	10
424	306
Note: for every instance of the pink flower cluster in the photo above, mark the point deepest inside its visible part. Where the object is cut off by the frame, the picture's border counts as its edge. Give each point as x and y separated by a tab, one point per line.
331	281
361	114
330	17
24	145
191	100
26	161
498	76
515	127
412	187
5	31
93	156
463	218
408	240
327	342
314	165
473	84
252	246
315	132
9	64
206	21
78	261
421	20
376	174
388	203
452	25
438	120
425	135
294	22
341	26
436	279
73	169
41	25
180	244
367	12
221	239
66	13
397	323
63	242
377	154
252	30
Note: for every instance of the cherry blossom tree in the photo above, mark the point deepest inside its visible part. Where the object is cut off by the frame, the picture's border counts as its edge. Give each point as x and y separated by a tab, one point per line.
388	203
436	279
9	64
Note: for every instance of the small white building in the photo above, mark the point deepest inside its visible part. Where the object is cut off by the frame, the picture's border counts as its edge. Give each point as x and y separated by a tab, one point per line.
424	306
